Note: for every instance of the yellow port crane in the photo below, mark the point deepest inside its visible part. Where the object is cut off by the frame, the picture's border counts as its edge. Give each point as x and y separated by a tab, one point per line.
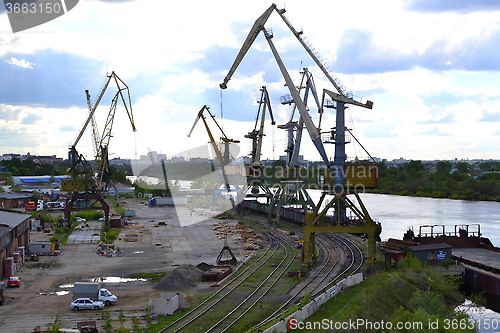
87	183
95	179
223	160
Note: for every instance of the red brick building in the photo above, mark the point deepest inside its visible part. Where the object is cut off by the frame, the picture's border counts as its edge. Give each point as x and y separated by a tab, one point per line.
14	240
14	200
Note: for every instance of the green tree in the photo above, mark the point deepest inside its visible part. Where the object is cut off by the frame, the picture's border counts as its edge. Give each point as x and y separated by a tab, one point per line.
413	166
443	167
462	167
45	169
121	176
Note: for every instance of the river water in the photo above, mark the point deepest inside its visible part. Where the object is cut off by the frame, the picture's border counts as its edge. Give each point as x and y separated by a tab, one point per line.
399	213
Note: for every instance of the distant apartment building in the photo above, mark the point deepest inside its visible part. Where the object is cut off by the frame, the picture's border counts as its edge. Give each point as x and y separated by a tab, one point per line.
178	159
8	157
153	156
301	159
40	159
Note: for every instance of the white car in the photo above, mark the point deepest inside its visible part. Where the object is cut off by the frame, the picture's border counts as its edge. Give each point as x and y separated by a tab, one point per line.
86	303
102	219
79	219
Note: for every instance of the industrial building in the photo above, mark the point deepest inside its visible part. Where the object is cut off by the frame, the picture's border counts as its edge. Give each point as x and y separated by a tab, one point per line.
14	239
13	200
430	253
31	180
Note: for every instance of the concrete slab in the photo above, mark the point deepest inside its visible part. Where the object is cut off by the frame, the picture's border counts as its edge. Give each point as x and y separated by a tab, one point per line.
90	235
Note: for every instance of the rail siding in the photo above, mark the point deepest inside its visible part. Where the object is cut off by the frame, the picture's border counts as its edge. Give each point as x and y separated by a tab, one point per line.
300	315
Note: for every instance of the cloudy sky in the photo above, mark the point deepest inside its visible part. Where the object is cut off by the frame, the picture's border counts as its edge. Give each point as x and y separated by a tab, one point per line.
431	68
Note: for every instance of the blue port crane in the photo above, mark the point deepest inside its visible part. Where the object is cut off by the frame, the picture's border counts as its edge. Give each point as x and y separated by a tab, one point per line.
317	219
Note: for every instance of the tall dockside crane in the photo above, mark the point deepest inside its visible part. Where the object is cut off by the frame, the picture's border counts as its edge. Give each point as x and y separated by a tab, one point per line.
223	160
257	134
292	190
294	128
88	182
256	186
316	220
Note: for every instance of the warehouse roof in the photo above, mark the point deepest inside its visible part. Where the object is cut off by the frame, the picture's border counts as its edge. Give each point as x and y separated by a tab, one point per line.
10	196
12	219
38	179
428	247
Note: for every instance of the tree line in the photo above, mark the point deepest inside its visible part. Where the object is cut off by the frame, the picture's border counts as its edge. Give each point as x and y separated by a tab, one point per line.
441	180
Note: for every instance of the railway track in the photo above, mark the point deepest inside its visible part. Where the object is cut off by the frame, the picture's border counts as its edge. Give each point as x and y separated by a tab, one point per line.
330	271
231	291
243	295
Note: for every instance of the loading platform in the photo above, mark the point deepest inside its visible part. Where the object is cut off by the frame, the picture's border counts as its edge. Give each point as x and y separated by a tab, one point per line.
481	258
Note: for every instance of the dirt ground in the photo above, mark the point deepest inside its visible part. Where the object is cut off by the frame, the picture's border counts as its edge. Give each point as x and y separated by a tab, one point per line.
43	300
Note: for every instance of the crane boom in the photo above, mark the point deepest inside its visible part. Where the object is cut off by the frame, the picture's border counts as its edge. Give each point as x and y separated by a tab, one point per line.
101	170
224	138
252	35
214	145
92	110
340	98
317	59
95	131
313	131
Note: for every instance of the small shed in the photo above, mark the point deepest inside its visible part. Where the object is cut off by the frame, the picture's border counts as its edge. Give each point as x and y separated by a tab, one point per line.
430	253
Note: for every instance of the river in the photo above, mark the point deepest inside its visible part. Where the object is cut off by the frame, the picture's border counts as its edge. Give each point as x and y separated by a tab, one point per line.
399	213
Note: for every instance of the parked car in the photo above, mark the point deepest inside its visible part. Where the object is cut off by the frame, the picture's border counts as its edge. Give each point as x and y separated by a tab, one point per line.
79	219
102	219
14	281
86	303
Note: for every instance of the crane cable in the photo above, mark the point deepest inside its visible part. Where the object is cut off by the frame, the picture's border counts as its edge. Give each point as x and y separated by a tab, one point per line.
221	112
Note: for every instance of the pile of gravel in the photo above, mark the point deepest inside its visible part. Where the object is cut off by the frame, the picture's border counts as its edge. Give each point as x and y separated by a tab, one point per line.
174	281
183	277
204	266
190	272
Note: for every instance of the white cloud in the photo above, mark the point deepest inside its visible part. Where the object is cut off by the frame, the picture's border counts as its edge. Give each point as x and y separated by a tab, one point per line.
175	54
20	63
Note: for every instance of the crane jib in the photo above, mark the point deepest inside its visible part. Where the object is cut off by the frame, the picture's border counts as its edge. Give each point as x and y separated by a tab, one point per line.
252	35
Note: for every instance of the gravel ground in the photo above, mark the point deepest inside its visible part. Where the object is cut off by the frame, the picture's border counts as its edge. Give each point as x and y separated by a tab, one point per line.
157	248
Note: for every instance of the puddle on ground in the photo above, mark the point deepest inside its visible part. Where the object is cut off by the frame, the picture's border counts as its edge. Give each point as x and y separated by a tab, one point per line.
116	279
69	285
57	293
107	279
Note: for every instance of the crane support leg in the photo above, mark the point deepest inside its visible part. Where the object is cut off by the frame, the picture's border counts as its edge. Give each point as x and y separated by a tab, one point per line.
88	202
318	221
